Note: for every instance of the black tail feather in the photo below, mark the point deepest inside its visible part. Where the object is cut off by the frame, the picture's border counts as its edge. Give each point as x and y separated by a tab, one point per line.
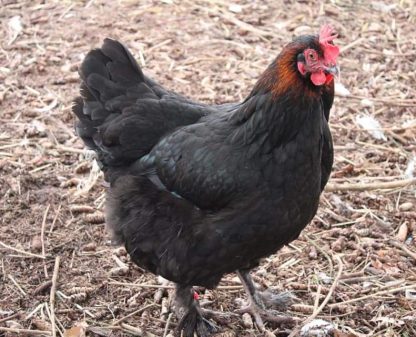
121	113
109	77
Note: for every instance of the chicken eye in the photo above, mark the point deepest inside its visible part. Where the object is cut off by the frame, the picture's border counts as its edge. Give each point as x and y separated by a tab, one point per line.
312	56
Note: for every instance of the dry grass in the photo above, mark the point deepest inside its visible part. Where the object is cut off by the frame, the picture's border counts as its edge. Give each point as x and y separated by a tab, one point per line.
52	196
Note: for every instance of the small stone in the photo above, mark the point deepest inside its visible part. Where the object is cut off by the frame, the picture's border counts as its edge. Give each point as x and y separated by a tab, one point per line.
367	103
120	251
235	8
119	271
338	245
89	247
302	30
406	206
247	320
41	324
317	328
36	244
313	255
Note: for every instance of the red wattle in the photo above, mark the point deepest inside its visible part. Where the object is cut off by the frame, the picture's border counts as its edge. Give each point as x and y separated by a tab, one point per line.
329	78
318	78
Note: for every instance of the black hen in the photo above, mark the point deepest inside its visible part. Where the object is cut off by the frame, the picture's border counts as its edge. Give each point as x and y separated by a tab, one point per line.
198	191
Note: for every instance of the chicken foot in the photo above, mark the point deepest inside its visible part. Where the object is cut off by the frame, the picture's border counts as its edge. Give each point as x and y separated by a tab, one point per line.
259	301
192	319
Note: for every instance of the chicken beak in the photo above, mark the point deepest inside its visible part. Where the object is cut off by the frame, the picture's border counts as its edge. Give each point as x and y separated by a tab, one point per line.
333	70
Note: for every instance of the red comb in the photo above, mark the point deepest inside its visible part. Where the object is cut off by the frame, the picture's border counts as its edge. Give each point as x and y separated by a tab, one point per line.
327	34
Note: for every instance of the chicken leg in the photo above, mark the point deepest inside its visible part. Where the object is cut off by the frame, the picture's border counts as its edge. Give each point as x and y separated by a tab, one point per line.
192	319
259	301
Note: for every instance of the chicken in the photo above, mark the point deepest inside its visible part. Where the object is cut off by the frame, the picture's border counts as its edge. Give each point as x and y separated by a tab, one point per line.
198	191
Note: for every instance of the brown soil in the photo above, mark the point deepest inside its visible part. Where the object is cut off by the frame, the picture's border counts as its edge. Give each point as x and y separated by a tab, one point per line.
51	197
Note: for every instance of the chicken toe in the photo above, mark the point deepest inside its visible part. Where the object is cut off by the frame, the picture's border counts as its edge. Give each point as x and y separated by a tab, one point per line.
259	301
277	301
193	322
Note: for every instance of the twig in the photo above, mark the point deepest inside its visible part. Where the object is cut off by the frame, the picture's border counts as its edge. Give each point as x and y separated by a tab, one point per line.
385	100
156	46
52	294
25	331
21	251
318	293
403	248
66	11
391	284
138	311
370	186
331	265
71	149
58	326
316	312
359	279
230	287
34	311
76	305
55	218
352	44
89	3
136	330
5	319
368	178
16	284
379	147
241	24
165	332
384	292
40	168
331	289
42	238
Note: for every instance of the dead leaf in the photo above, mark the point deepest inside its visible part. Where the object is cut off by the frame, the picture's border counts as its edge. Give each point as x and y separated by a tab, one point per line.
402	233
41	324
387	321
77	330
377	264
15	28
338	333
341	90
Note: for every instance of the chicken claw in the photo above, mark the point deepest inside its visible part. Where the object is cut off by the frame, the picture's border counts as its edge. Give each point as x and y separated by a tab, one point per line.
277	301
193	321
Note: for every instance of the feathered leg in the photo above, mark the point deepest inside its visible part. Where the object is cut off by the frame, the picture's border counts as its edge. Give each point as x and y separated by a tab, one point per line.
191	315
259	301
